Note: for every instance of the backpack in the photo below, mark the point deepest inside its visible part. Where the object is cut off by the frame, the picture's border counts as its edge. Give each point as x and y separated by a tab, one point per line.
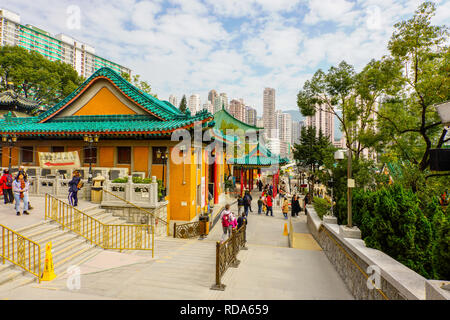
226	219
9	180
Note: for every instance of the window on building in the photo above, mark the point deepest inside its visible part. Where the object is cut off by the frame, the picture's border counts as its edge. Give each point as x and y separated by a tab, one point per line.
57	149
90	155
155	158
124	155
27	154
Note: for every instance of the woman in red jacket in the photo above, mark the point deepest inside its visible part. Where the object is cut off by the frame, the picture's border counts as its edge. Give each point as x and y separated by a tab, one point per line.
6	184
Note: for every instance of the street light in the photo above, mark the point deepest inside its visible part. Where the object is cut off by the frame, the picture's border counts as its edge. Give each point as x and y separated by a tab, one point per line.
339	155
90	140
10	141
163	156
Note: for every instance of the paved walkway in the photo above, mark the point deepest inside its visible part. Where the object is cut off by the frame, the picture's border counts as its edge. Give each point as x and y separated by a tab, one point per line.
185	269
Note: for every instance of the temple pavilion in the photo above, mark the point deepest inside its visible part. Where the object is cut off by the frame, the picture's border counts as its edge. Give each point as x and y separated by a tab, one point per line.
131	129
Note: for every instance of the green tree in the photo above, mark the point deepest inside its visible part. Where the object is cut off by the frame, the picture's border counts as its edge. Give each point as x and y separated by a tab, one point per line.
312	151
140	84
183	104
409	115
35	77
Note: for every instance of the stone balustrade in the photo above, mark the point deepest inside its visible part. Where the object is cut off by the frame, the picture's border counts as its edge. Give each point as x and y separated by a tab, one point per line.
358	265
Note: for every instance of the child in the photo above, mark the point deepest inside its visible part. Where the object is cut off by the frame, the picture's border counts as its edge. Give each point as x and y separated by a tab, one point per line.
260	204
285	208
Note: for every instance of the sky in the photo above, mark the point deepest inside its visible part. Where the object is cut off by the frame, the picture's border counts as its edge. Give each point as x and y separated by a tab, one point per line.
238	47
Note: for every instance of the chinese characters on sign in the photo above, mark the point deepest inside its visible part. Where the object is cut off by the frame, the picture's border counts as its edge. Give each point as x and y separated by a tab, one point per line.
59	159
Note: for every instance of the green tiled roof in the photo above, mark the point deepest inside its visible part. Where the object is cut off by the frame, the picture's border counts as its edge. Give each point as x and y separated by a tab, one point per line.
150	103
265	158
163	119
11	99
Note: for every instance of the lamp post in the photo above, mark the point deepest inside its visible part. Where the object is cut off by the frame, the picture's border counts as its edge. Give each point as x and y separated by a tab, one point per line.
163	156
10	141
90	140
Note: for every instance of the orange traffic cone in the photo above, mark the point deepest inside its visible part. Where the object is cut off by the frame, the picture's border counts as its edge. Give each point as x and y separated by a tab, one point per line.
285	233
49	270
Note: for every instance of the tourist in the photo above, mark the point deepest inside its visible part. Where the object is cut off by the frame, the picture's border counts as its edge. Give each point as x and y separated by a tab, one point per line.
226	218
20	188
233	222
74	185
269	204
242	220
240	204
285	207
6	182
24	173
295	206
247	203
260	204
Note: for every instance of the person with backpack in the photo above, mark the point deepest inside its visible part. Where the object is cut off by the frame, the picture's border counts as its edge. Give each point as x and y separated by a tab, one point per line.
247	203
269	203
226	218
74	185
6	182
20	188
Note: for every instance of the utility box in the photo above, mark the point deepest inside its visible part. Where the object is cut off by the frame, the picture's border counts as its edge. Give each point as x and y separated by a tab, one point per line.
97	189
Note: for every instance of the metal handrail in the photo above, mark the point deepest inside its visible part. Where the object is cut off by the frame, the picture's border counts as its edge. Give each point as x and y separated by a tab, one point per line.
226	254
14	250
106	236
189	230
142	209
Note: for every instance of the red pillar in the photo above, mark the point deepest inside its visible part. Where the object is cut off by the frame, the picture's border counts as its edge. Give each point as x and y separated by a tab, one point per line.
245	178
251	179
216	181
242	181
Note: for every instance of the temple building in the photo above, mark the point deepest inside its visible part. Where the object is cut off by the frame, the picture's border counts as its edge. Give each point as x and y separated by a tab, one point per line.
130	129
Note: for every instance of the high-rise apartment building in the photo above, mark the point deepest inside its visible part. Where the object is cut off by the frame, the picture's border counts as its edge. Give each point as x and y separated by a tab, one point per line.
61	47
194	103
224	97
269	113
237	109
218	104
212	96
323	121
250	115
297	131
208	106
284	129
173	100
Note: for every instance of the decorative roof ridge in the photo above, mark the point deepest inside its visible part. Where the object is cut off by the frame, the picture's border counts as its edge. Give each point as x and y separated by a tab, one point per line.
239	121
163	111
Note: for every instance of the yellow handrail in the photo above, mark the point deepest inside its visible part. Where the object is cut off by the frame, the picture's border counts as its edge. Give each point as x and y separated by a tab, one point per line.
14	249
140	208
115	237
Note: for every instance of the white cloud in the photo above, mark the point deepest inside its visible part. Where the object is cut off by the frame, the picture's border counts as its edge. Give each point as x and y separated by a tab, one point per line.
186	46
339	11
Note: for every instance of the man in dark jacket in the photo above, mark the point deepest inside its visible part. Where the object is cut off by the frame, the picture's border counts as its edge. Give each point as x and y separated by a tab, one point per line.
73	189
247	203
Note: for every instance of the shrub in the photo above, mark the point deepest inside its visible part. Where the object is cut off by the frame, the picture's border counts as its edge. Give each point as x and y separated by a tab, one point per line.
391	220
322	206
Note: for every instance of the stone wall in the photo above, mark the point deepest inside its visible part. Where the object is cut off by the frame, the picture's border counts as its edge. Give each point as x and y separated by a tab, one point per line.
352	260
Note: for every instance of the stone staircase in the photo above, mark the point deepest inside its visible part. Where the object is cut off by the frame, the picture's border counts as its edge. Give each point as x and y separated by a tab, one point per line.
68	248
